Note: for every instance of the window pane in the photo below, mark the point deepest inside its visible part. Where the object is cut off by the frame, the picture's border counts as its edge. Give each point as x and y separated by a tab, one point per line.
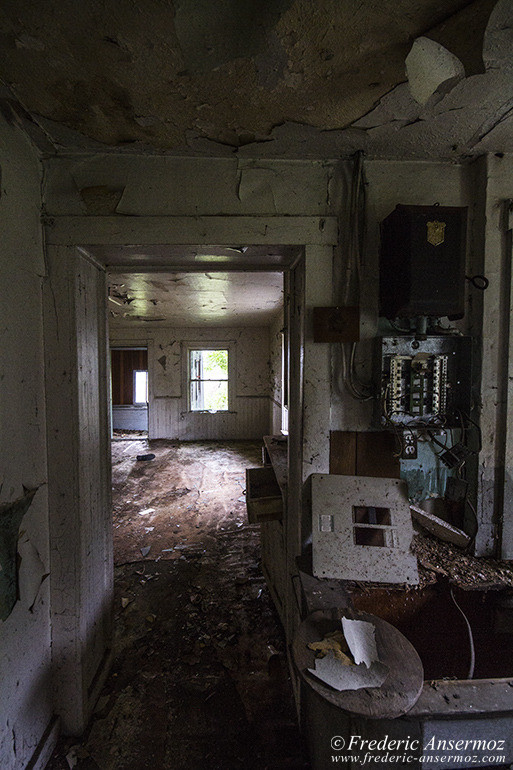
209	364
140	387
209	395
208	380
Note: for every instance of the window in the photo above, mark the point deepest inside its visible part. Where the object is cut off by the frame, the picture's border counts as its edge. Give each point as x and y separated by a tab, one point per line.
208	380
140	387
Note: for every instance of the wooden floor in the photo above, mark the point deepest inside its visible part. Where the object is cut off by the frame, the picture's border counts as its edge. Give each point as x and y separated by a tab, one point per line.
200	677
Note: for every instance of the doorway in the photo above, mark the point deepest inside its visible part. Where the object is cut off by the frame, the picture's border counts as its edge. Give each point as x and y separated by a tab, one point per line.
215	371
129	392
190	595
80	503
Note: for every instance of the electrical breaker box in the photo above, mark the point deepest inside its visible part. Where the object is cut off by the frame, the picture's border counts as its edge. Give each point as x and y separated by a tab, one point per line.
424	383
422	262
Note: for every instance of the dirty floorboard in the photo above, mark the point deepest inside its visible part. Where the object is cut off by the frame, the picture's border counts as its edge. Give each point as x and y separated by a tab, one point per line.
199	677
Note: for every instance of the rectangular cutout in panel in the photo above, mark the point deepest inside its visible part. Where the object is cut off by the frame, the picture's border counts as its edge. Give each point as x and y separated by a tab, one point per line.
363	514
372	531
326	522
370	536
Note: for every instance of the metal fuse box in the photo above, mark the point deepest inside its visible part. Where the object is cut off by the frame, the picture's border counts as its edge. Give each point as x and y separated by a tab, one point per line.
424	382
422	262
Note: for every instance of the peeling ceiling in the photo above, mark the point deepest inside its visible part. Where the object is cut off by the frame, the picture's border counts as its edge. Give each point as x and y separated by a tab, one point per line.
281	78
194	299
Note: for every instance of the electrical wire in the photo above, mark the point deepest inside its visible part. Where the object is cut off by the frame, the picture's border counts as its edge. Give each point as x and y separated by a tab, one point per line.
472	663
397	327
435	440
476	425
363	390
346	379
476	522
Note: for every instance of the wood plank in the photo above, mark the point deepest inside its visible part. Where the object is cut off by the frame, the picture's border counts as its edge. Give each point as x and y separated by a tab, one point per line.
364	453
465	697
264	500
276	448
375	455
214	230
440	528
343	452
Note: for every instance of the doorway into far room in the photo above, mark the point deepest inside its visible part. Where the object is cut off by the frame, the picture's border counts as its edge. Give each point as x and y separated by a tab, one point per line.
129	392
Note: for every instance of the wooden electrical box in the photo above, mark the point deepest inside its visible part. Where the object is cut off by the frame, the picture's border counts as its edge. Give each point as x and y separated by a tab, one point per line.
336	324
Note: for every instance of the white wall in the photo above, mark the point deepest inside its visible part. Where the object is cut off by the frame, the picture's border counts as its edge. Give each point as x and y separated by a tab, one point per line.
275	359
495	504
78	482
169	416
25	662
201	187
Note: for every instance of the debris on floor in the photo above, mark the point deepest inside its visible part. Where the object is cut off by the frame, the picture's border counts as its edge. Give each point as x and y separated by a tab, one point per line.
438	558
200	677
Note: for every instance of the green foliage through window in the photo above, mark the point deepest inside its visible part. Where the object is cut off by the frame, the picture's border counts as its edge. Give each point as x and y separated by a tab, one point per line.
208	380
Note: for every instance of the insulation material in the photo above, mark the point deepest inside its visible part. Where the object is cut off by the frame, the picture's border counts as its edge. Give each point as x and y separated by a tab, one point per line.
362	529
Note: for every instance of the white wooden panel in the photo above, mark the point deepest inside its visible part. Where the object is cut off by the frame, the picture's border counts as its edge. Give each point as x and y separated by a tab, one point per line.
168	411
122	230
25	636
317	372
94	519
130	417
79	481
181	186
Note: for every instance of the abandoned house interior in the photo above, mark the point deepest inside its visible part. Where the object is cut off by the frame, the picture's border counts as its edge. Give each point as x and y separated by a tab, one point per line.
256	387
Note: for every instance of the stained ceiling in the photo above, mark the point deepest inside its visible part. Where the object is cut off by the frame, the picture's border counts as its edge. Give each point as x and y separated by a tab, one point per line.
194	299
277	78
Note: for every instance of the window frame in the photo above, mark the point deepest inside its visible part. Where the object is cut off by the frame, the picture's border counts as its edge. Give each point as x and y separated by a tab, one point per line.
229	346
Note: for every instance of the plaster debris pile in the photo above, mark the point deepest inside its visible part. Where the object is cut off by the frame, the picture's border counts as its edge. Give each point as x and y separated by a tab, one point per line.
442	559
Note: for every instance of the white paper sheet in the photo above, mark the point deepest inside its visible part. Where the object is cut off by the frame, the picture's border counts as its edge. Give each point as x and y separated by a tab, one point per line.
368	671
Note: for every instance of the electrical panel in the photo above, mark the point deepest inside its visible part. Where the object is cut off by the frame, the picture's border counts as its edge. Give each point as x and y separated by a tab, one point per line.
424	382
422	262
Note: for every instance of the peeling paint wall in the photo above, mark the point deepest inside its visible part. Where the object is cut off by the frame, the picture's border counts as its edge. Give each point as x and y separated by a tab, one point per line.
78	482
275	359
25	659
179	186
169	415
495	505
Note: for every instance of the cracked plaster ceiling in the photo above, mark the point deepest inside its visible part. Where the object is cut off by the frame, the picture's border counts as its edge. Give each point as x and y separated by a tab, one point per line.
194	299
280	78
